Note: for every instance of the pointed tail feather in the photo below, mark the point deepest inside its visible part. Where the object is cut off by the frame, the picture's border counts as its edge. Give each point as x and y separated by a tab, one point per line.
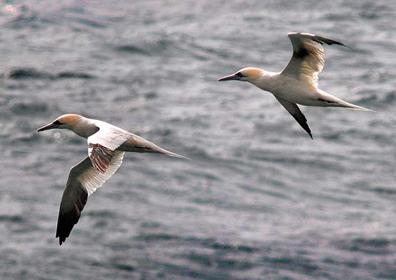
332	101
140	145
169	153
355	107
359	108
177	155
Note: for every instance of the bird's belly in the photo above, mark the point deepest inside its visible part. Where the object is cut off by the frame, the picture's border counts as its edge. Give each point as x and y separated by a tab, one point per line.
293	90
298	95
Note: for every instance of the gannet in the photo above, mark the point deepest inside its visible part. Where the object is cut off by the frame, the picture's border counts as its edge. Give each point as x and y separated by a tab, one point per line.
106	147
298	82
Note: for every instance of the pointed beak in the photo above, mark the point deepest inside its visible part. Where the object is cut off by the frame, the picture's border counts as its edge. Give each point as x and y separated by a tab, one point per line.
230	77
47	127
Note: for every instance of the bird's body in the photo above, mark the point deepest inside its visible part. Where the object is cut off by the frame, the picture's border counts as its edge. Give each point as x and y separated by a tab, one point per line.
298	82
288	88
297	91
107	145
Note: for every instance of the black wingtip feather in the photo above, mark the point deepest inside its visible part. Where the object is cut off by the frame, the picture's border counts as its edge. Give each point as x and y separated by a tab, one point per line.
67	220
302	120
296	113
323	40
307	129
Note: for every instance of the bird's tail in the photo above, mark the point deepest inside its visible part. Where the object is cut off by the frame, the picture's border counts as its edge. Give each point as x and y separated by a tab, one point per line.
354	107
332	101
168	153
171	154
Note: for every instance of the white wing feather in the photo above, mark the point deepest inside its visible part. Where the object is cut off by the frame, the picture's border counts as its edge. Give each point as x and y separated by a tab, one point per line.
102	147
83	180
308	57
108	136
91	179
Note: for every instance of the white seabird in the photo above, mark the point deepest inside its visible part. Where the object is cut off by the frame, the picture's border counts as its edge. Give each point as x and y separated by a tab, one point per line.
298	82
106	147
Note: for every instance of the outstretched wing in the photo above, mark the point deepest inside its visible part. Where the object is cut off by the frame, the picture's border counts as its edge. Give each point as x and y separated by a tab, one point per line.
308	57
293	109
103	144
83	180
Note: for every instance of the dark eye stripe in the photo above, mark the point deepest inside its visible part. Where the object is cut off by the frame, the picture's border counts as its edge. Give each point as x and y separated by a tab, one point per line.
239	75
57	122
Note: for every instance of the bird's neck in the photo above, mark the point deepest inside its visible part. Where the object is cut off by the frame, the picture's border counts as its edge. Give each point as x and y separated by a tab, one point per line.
265	81
85	128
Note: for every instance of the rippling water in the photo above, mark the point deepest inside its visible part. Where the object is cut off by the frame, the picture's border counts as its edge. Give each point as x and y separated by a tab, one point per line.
260	200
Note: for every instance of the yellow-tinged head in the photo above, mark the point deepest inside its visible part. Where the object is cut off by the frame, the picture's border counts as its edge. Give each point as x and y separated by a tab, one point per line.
248	74
68	121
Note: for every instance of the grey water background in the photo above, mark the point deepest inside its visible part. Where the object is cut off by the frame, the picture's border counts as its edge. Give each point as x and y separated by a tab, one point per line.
260	200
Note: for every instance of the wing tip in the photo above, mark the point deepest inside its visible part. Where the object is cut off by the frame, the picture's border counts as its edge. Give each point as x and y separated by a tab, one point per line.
61	240
62	237
317	38
69	218
62	233
330	41
307	129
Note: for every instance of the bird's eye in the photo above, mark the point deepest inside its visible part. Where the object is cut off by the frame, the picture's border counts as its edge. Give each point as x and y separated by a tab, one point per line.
57	122
239	75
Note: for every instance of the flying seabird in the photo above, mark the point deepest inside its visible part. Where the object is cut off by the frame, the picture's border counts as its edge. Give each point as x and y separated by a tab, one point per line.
298	82
106	147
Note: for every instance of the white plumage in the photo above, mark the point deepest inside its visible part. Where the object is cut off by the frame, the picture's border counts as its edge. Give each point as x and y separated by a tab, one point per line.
298	82
107	145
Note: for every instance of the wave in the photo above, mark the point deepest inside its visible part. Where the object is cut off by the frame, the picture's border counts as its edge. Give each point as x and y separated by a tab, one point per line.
24	73
371	246
12	219
150	46
29	108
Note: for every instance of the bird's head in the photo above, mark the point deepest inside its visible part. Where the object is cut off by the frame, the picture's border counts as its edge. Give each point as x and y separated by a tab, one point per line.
248	74
68	121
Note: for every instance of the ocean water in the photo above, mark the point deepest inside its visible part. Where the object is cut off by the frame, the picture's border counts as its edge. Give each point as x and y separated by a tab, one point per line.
259	200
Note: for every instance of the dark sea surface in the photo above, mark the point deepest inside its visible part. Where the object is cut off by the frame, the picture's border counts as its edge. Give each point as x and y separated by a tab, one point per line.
259	200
